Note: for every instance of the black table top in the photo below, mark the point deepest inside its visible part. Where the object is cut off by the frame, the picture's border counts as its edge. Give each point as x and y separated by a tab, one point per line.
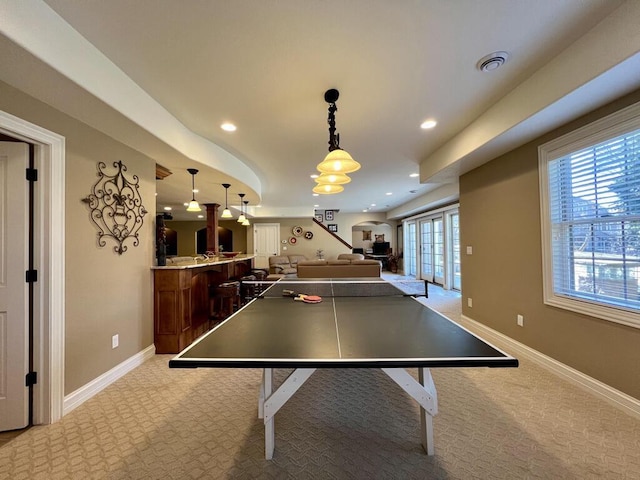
388	329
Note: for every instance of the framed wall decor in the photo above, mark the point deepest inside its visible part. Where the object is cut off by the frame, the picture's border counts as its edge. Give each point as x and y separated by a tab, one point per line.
328	215
333	228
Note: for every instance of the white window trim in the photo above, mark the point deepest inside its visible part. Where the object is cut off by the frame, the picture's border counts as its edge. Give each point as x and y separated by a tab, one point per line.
618	123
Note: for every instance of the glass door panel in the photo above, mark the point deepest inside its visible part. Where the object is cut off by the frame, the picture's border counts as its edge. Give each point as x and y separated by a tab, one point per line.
426	248
438	250
410	250
456	276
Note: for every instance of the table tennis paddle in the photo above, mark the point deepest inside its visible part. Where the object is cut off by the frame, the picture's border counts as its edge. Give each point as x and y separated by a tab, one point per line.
308	298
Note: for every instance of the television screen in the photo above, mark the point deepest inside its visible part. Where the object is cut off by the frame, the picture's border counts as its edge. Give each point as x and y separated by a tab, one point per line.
380	248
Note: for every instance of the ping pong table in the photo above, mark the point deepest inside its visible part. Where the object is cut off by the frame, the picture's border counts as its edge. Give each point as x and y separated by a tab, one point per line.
360	323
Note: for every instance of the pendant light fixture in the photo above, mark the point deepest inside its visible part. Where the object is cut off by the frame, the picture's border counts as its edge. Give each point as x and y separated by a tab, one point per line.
193	205
328	189
332	178
226	213
246	219
338	160
241	218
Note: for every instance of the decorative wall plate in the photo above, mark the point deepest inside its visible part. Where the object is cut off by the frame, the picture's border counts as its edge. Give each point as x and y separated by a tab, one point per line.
308	235
293	240
297	231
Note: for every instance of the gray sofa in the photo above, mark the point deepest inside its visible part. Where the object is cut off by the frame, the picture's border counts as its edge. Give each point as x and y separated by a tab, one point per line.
285	264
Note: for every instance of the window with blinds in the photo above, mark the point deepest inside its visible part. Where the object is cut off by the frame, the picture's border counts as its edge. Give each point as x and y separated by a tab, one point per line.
590	191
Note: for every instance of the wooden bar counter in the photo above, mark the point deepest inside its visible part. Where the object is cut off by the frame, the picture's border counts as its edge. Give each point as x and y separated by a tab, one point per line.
181	308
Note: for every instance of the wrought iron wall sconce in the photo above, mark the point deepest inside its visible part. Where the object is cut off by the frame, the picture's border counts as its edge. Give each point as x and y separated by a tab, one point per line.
116	207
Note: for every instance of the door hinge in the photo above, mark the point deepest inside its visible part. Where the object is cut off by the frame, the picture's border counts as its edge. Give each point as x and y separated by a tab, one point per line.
31	379
31	276
32	175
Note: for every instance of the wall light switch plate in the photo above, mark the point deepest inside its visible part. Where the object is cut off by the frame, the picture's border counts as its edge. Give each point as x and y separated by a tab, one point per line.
115	341
469	250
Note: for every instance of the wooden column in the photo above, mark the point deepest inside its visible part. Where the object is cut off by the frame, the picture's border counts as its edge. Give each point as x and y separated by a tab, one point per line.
212	227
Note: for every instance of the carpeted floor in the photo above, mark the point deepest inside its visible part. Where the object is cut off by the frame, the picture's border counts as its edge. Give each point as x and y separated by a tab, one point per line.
157	423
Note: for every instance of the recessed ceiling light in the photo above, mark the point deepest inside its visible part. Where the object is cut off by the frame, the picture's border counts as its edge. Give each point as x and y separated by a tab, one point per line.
373	204
414	175
389	193
427	124
228	127
316	206
316	194
168	209
314	175
200	216
365	210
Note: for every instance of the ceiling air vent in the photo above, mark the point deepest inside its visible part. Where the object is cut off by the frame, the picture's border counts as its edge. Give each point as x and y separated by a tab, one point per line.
492	61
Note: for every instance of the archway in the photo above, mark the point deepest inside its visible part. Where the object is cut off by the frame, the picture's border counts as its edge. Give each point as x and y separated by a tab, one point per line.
365	234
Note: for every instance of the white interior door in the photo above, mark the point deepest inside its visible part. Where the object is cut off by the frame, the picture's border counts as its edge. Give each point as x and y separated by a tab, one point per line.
14	348
266	241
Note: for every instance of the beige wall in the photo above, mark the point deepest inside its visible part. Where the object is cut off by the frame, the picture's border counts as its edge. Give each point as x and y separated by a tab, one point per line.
106	293
500	219
243	236
321	238
186	232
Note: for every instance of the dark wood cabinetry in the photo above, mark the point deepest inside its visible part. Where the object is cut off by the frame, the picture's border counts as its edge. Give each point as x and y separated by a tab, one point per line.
181	300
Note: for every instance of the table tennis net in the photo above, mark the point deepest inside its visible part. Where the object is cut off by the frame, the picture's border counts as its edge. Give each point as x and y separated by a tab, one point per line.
345	289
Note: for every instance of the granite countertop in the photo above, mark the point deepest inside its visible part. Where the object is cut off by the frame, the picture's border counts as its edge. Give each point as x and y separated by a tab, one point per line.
181	263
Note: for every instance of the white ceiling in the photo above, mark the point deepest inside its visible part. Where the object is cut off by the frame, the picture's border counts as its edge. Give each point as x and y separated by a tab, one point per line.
162	75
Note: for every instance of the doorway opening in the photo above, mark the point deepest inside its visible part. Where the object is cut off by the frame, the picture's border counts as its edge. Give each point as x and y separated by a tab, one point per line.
49	261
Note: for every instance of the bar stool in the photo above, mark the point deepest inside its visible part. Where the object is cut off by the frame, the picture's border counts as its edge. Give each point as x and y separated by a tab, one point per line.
261	276
224	299
247	288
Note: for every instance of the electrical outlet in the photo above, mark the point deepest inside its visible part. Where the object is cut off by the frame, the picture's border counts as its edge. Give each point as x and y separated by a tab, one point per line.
115	340
520	320
469	302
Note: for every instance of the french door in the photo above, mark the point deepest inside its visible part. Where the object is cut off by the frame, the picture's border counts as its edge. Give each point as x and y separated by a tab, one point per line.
410	249
453	241
432	247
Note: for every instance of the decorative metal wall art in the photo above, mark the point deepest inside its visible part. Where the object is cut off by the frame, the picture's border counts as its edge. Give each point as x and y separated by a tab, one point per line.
116	207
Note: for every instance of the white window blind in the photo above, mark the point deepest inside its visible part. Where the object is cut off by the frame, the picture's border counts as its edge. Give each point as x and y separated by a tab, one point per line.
591	206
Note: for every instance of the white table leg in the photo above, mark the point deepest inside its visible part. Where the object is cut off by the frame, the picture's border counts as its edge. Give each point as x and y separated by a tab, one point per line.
272	401
426	419
425	394
269	425
261	397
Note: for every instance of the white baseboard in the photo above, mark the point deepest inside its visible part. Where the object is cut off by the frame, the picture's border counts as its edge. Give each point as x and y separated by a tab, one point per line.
609	394
84	393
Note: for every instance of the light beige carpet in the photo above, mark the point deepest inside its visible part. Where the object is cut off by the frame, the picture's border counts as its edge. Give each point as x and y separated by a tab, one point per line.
157	423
